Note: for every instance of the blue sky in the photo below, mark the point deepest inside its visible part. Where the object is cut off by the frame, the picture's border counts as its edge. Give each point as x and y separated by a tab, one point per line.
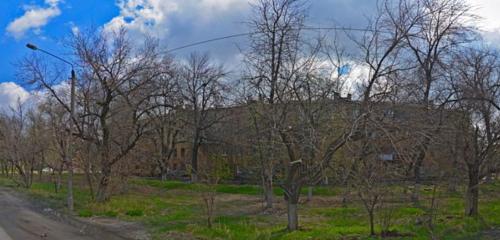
181	22
174	22
76	12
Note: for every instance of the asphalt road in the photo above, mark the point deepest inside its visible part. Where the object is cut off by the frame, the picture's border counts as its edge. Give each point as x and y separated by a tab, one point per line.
18	221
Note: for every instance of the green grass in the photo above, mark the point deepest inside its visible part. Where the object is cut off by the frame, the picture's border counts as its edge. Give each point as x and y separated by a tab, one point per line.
252	190
176	208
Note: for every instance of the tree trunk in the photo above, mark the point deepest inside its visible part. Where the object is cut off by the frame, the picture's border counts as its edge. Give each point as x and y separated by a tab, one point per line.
70	200
59	178
472	195
163	168
4	169
372	224
293	217
292	200
12	170
453	183
268	187
32	172
416	187
102	190
194	163
40	168
309	193
88	176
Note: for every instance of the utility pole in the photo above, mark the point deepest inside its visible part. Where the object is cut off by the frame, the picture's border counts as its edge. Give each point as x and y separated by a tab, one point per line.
68	149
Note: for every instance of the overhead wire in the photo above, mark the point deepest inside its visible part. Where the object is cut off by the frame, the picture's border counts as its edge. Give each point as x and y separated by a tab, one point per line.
251	33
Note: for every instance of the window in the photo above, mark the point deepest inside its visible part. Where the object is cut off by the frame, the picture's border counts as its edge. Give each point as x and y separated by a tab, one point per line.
389	113
387	157
183	152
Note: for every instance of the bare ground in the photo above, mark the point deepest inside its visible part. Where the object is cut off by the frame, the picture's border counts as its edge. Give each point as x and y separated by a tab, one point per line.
25	219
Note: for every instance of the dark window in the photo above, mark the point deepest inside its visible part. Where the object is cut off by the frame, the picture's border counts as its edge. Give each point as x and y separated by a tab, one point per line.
389	113
387	156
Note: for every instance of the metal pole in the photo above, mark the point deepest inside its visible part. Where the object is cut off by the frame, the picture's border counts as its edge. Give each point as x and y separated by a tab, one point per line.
70	142
68	149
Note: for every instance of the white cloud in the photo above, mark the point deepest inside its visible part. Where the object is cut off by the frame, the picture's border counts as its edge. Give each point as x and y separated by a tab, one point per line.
74	28
11	94
34	18
487	10
154	16
489	22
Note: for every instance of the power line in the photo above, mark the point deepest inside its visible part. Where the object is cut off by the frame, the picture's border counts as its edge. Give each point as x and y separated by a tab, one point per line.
208	41
250	33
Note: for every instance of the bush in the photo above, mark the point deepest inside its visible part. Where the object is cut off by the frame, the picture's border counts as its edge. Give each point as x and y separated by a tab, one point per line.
110	214
85	213
135	213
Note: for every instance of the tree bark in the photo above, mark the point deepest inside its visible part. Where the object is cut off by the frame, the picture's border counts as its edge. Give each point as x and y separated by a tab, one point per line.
59	178
88	176
267	180
292	195
102	190
472	195
293	217
194	159
372	224
309	193
415	195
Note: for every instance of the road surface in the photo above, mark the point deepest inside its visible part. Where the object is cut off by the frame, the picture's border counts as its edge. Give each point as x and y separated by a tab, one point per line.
18	221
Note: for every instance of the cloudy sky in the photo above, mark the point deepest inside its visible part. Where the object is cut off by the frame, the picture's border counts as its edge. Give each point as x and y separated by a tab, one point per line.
175	22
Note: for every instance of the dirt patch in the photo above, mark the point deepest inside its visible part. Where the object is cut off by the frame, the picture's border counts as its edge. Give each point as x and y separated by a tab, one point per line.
124	229
178	236
47	219
395	234
492	234
22	218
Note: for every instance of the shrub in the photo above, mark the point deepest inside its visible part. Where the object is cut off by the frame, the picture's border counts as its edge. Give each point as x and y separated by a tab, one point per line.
85	213
112	214
135	213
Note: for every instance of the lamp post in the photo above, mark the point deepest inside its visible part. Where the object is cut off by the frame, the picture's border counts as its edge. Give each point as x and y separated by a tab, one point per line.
68	154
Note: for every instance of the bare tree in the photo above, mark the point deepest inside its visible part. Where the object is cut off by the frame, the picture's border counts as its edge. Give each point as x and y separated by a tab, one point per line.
57	118
368	180
112	94
115	83
476	79
18	143
276	25
166	103
441	26
201	86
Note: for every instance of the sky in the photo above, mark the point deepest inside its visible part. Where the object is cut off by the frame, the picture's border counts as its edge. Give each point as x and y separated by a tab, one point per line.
175	22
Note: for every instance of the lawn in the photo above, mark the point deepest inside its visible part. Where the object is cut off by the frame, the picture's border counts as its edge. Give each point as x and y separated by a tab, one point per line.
174	210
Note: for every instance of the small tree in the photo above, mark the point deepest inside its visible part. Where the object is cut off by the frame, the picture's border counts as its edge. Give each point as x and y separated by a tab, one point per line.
201	87
478	98
112	94
166	101
19	143
212	172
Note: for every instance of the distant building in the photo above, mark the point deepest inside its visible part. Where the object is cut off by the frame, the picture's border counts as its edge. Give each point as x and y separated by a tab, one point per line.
233	137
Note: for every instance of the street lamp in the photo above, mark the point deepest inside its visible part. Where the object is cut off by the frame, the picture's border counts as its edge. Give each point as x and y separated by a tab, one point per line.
68	154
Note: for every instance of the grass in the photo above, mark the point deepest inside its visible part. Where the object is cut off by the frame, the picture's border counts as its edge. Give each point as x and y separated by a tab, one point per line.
253	190
175	209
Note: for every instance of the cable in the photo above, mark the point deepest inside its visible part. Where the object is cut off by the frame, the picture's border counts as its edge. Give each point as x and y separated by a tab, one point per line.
208	41
250	33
